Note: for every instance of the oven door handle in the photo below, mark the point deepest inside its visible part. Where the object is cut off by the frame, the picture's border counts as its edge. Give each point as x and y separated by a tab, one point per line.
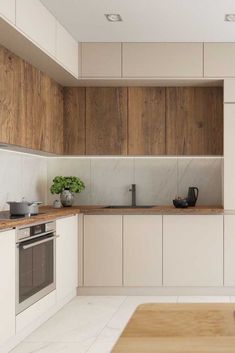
24	247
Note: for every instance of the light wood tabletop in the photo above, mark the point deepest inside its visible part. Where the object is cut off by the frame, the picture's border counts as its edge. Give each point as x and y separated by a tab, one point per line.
179	328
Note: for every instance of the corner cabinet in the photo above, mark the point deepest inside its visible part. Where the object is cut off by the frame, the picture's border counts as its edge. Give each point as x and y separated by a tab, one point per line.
102	250
7	288
66	256
142	250
193	250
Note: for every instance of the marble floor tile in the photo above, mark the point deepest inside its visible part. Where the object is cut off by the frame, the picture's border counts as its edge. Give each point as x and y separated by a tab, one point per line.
203	299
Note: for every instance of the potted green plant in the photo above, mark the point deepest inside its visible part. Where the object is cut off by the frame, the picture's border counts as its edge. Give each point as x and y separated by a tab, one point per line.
67	187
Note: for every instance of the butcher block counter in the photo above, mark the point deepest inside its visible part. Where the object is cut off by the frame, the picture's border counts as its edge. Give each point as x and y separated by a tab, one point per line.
48	213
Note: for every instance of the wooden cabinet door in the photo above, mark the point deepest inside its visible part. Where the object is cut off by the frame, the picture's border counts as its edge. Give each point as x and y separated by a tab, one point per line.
194	121
162	60
102	250
7	9
219	59
7	291
106	121
66	49
37	23
142	250
74	120
101	60
146	121
193	250
66	256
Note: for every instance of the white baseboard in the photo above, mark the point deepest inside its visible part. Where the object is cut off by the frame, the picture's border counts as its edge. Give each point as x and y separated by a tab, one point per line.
176	291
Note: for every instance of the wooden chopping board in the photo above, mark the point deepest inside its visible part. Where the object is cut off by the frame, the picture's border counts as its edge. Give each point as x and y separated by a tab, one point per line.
179	328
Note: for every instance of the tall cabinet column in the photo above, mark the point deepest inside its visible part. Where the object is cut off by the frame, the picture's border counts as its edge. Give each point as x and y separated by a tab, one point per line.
229	144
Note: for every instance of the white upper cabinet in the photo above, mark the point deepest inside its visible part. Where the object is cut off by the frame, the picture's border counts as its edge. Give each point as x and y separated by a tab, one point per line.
66	49
37	23
7	286
101	60
219	59
193	250
162	60
7	10
142	250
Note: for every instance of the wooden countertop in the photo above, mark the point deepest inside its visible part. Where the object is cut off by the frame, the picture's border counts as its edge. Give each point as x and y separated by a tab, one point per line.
48	213
179	328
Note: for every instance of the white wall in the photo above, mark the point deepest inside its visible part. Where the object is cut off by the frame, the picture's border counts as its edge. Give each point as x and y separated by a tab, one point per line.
22	175
158	180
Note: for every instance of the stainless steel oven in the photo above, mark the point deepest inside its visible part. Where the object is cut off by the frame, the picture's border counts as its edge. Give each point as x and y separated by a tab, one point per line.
35	263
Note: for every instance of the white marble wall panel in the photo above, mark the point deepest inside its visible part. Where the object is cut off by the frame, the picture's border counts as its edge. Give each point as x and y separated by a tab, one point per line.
22	175
205	174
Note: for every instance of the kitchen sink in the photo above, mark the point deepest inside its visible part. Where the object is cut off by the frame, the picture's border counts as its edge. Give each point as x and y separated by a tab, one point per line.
139	206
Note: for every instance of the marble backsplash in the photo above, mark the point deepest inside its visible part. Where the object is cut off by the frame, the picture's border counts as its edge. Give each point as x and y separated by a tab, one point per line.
158	180
108	179
22	175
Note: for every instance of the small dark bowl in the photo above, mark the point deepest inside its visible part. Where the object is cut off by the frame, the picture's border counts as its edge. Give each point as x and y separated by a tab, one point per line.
180	203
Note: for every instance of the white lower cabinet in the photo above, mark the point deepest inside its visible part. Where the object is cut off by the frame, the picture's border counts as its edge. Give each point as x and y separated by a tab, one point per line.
66	256
193	250
7	9
7	285
103	250
142	250
229	250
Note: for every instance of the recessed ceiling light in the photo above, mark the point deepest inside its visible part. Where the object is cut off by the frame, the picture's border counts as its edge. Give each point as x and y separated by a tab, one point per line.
113	17
230	17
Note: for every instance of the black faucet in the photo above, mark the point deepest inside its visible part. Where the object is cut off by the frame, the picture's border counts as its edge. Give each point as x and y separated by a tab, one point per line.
133	195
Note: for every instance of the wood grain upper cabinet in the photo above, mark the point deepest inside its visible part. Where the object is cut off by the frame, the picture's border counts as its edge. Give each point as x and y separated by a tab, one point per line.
7	10
37	23
74	120
102	250
106	121
142	250
162	60
101	60
219	59
193	250
146	121
194	121
66	49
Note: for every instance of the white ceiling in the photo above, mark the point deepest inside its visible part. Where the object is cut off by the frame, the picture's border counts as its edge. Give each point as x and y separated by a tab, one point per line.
146	20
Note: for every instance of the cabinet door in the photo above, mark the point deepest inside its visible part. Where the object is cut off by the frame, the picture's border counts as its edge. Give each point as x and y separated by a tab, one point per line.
229	156
66	49
193	250
146	121
7	287
229	90
162	60
106	121
229	250
101	60
66	256
219	59
7	9
103	250
194	121
37	23
142	244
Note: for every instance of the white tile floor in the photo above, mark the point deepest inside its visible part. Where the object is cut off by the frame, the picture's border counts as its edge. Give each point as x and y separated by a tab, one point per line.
93	324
